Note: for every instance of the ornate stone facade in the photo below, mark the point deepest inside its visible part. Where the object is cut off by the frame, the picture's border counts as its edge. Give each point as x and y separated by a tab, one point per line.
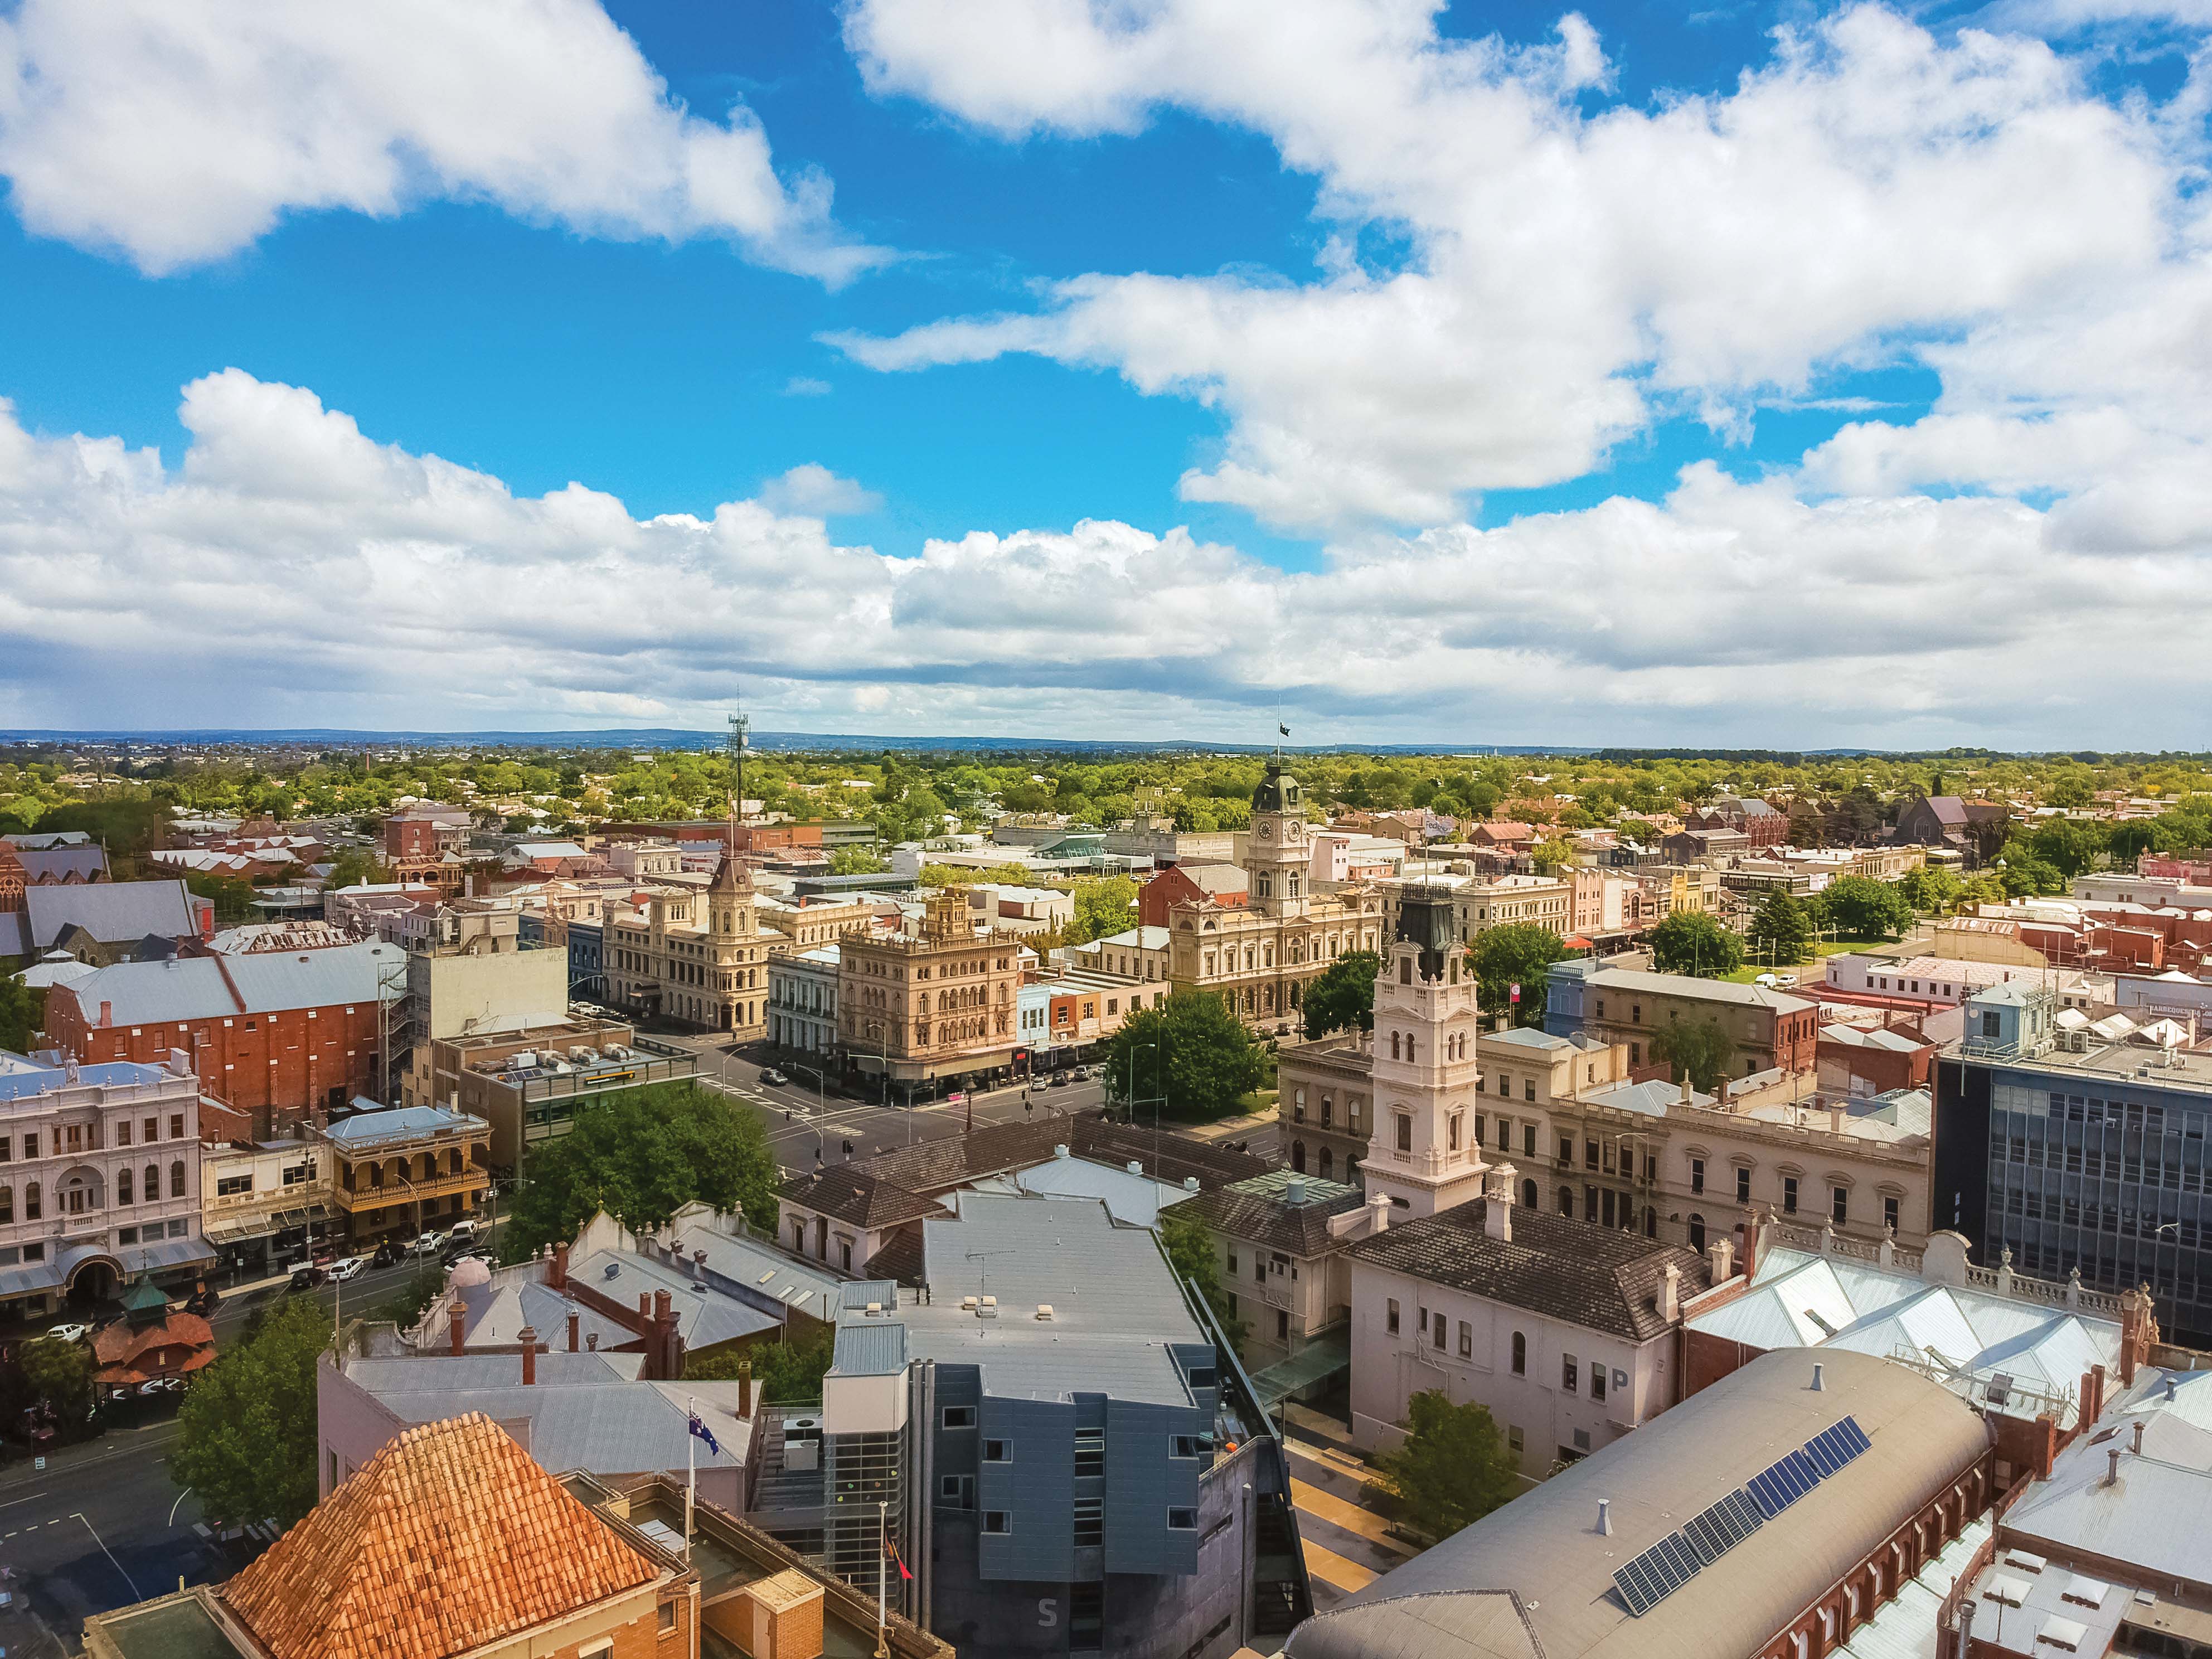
1259	956
936	1004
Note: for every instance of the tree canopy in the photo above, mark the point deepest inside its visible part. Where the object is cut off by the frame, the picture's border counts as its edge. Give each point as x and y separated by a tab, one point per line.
789	1372
641	1155
246	1431
1516	954
1691	942
1860	907
21	1008
1189	1048
1697	1048
58	1373
1781	931
1454	1465
1103	908
1342	998
1193	1252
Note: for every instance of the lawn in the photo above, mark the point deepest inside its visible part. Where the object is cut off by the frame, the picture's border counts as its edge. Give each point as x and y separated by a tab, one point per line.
1821	948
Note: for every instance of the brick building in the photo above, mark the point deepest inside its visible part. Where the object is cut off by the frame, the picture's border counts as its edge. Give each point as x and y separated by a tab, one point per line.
280	1039
1224	884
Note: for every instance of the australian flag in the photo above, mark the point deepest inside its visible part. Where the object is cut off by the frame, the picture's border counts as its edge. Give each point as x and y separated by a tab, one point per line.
705	1434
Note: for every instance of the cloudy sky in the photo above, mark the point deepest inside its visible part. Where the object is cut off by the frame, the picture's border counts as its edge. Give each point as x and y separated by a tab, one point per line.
1777	375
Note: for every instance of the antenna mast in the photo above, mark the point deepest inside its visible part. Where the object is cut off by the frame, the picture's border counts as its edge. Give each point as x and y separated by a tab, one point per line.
740	740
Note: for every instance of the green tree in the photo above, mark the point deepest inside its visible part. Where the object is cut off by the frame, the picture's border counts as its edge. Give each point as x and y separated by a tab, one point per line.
950	875
1189	1048
1196	1258
59	1373
1690	942
1931	889
1781	931
1859	907
1454	1465
407	1304
789	1372
1699	1047
234	899
1343	996
21	1011
1550	856
1103	908
246	1443
857	861
2068	846
354	868
1516	954
641	1155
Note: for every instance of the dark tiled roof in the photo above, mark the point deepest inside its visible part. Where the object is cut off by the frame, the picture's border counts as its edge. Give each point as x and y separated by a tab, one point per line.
1300	1230
900	1260
1593	1276
901	1186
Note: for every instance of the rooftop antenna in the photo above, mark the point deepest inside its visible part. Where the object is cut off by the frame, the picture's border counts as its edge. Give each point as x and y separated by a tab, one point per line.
740	740
983	1277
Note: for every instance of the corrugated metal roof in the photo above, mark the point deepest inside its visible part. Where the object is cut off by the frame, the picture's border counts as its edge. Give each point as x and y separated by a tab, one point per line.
871	1347
398	1123
1544	1549
196	987
112	912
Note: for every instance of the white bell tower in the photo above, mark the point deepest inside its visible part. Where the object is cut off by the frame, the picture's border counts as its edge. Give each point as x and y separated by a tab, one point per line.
1426	1078
1276	863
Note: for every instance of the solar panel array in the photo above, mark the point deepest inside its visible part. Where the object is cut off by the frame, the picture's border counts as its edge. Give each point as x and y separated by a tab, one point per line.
1671	1563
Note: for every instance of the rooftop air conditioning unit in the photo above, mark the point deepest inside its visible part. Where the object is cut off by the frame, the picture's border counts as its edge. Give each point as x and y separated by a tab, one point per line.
989	1309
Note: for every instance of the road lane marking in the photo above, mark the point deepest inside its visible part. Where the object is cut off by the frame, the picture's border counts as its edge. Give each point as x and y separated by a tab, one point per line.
12	1502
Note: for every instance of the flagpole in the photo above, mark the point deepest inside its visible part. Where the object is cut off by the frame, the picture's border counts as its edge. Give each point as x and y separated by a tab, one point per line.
690	1470
882	1541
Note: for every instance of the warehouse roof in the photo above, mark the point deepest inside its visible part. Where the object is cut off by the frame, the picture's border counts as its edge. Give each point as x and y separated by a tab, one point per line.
1534	1580
212	987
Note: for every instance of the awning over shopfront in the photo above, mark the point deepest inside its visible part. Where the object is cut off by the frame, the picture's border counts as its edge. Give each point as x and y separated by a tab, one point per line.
30	1279
170	1255
1324	1356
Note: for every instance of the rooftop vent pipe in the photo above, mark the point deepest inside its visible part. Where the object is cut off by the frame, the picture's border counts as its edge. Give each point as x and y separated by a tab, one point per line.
1605	1516
1819	1377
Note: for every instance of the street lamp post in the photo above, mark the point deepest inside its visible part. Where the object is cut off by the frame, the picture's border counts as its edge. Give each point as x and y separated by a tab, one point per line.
821	1105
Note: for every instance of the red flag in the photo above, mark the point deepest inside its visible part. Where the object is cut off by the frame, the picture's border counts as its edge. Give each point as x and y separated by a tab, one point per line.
891	1549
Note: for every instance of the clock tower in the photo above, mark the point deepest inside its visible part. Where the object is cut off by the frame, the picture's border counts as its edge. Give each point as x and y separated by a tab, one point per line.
1427	1079
1277	861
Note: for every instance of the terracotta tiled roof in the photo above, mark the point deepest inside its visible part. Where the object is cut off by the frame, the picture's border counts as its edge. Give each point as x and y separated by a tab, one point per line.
448	1539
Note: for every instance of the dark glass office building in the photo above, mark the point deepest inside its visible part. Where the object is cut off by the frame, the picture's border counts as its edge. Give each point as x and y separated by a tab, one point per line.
2079	1147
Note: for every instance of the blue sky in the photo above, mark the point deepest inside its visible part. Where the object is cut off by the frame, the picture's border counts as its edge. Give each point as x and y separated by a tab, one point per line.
1630	374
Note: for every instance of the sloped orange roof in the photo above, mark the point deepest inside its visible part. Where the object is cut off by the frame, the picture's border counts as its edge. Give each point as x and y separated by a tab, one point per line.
449	1537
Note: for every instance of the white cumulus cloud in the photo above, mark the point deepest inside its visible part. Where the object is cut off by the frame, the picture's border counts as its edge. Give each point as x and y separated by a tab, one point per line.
1574	271
813	488
340	580
175	132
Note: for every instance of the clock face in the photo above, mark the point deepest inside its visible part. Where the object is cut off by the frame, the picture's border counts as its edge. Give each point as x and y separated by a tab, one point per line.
1294	831
1267	831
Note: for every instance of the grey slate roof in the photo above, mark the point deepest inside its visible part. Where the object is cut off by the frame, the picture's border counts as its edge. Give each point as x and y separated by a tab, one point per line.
704	1318
1596	1277
1536	1577
55	864
112	912
1705	990
1266	1219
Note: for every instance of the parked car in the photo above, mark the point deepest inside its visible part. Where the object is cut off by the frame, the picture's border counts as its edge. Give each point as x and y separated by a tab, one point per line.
68	1333
428	1244
462	1229
204	1300
309	1277
352	1267
773	1079
387	1253
1059	1080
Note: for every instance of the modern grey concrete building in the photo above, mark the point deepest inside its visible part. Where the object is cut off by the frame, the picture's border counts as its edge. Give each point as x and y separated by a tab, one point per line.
1066	1452
2070	1146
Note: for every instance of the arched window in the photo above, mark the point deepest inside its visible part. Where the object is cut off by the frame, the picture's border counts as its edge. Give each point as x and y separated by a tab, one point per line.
6	1204
1394	1045
1299	1156
1567	1202
1409	1045
152	1190
1327	1163
123	1185
31	1209
1520	1354
177	1179
1697	1231
1529	1194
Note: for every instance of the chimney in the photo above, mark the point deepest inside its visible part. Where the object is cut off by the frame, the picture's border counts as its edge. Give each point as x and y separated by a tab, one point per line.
591	1343
1378	1209
664	1338
1724	1094
1605	1517
699	1264
645	1308
107	1013
2097	1410
1835	1120
2137	1446
2112	1478
457	1319
1819	1378
556	1276
528	1338
1721	1253
1670	1293
745	1388
575	1322
1689	1095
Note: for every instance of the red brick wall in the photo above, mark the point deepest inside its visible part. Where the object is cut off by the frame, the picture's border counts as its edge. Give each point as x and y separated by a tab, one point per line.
278	1067
1879	1069
1706	1359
